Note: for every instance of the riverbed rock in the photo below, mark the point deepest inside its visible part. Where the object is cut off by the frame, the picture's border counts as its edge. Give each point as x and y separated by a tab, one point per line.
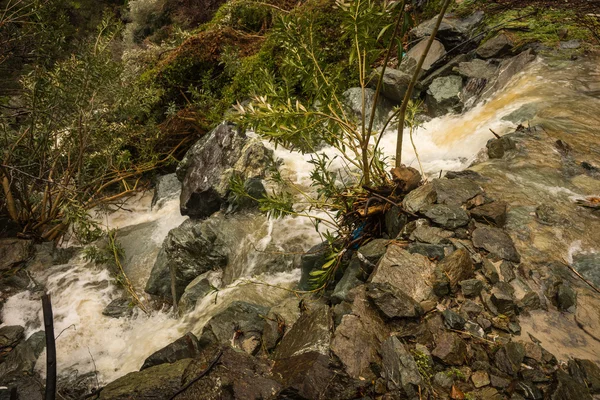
421	197
458	266
311	261
14	252
436	52
11	335
432	235
311	333
431	251
497	242
455	191
507	69
239	324
121	307
566	388
449	217
566	297
503	300
471	287
492	213
450	349
453	30
496	148
392	302
349	281
20	361
399	368
184	347
167	188
587	373
280	319
353	98
498	46
408	272
478	69
509	357
190	250
197	289
453	320
158	382
395	83
395	220
443	95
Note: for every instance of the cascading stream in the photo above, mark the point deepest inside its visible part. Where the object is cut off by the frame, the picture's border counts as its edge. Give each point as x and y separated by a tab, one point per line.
90	341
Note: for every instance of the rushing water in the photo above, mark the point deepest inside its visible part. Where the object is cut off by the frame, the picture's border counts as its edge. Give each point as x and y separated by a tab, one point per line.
89	341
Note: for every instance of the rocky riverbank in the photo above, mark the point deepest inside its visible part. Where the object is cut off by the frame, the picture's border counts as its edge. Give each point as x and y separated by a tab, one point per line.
482	284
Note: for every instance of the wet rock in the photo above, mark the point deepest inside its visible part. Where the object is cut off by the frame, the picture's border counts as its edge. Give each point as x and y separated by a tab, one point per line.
395	220
566	297
436	52
509	358
37	343
498	46
457	267
586	372
587	265
374	250
471	287
310	333
490	271
480	379
431	235
534	375
14	252
311	261
167	188
432	251
405	271
407	178
466	174
20	361
450	349
255	190
491	213
27	388
440	282
392	302
450	217
197	289
280	319
400	368
496	148
570	45
497	242
452	320
507	69
503	301
11	335
184	347
443	95
421	197
236	324
567	388
534	352
455	191
453	31
357	340
474	329
478	69
395	83
353	98
118	308
339	310
189	250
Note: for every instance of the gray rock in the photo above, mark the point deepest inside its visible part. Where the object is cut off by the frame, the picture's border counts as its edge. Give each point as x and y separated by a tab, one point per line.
392	302
395	220
499	382
431	235
37	342
492	213
496	148
14	252
453	31
239	323
20	361
197	289
530	301
507	69
118	308
457	267
27	388
587	265
490	271
311	261
436	52
374	250
190	250
566	297
11	335
570	45
408	272
474	329
471	287
311	333
450	349
443	95
159	382
506	269
443	380
509	358
445	70
528	390
440	282
503	301
587	373
184	347
167	188
395	83
478	69
423	196
399	367
450	217
280	319
470	308
566	388
349	281
497	242
452	320
480	379
498	46
353	98
432	251
455	191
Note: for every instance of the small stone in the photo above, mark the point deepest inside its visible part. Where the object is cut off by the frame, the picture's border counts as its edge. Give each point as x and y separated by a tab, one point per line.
496	241
485	323
478	69
491	213
531	301
431	234
506	269
443	380
440	282
566	297
450	349
395	220
509	358
450	217
471	308
533	351
490	271
453	320
431	251
471	287
118	308
504	302
498	147
480	379
457	266
399	366
501	323
474	329
184	347
455	191
514	328
528	390
534	375
392	302
499	382
570	44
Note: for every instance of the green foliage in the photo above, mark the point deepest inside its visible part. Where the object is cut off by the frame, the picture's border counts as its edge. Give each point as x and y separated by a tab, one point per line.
425	368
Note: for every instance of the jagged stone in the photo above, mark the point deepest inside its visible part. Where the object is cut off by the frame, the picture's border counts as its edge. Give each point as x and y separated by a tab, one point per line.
480	379
530	301
496	241
395	83
509	358
528	390
471	287
280	319
507	272
436	52
197	289
395	220
498	46
449	217
11	335
453	30
499	382
431	251
421	197
440	282
400	369
455	191
470	308
587	373
118	308
567	388
450	349
496	148
311	261
444	380
566	297
443	95
478	69
431	235
184	347
504	302
474	329
392	302
167	188
491	213
349	281
490	271
453	320
353	98
14	252
457	267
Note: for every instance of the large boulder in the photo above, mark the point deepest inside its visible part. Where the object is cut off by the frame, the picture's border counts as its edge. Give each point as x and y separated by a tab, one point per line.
498	46
453	30
168	187
189	250
395	83
184	347
158	382
443	95
353	98
207	168
436	52
14	252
